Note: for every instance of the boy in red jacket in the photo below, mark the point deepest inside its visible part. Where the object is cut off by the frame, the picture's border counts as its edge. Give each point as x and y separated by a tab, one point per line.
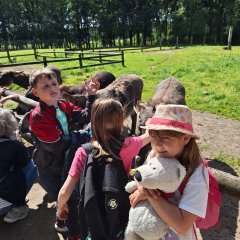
49	123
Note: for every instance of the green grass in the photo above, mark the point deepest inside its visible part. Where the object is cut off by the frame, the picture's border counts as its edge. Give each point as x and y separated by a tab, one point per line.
210	74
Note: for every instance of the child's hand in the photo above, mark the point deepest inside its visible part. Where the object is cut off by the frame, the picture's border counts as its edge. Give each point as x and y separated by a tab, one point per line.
14	97
92	86
62	213
18	134
10	97
148	193
152	193
136	197
2	90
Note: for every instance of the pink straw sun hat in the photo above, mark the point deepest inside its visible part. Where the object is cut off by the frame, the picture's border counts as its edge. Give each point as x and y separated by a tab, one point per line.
172	117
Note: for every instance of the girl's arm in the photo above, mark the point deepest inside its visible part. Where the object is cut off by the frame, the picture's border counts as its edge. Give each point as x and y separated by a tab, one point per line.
10	97
175	217
179	219
64	195
145	138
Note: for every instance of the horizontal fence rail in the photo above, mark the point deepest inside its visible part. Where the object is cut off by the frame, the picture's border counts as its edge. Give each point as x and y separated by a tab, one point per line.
94	56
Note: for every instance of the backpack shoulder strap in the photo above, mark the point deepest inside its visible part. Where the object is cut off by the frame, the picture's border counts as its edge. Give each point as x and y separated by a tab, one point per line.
88	147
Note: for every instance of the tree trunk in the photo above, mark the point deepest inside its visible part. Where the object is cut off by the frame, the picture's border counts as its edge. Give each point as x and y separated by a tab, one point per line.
230	38
227	182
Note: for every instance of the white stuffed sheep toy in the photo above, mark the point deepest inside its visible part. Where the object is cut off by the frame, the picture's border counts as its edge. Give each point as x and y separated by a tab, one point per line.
157	173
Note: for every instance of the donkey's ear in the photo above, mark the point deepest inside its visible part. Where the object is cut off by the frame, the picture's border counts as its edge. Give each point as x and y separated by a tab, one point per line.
140	107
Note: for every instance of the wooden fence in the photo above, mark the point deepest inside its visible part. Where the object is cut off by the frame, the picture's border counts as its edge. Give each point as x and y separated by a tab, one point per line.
82	57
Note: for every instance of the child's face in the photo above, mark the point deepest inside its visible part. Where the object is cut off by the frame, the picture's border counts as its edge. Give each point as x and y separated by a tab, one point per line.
47	90
169	146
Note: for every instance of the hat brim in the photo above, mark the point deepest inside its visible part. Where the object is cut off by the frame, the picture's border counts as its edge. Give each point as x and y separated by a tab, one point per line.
162	127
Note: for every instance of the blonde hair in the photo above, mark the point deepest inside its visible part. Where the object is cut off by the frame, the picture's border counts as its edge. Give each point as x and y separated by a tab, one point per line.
107	124
8	123
38	74
190	156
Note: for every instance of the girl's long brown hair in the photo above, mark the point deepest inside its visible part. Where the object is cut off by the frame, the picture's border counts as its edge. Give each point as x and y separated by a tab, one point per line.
190	157
107	124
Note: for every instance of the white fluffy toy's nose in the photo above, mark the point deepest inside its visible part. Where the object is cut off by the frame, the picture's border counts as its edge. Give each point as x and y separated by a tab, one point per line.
138	176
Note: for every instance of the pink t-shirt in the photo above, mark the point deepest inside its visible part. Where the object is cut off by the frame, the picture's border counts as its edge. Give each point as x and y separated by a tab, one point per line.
131	148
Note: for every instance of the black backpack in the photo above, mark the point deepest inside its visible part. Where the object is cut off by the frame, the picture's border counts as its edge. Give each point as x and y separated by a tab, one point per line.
104	203
77	139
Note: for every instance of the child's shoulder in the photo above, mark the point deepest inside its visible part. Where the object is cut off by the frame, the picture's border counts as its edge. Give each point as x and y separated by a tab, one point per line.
41	112
131	140
66	106
36	112
200	174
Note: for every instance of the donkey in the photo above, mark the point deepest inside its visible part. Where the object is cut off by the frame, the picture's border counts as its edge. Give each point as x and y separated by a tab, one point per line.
168	91
18	77
77	94
126	89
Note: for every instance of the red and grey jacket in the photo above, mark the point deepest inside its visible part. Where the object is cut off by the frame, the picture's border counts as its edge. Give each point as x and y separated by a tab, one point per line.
51	143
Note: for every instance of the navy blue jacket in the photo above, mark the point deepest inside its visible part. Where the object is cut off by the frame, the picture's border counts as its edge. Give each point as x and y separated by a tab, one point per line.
13	158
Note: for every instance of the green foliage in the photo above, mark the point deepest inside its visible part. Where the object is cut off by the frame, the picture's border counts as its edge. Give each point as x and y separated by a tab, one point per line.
84	23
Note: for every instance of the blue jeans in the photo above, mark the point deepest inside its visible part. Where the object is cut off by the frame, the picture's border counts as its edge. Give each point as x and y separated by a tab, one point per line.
30	171
52	185
4	210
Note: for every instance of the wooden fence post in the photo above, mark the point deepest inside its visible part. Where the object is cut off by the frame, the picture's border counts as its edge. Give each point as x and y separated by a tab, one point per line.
45	61
100	56
230	38
66	55
35	53
34	49
54	52
80	60
177	42
122	58
204	40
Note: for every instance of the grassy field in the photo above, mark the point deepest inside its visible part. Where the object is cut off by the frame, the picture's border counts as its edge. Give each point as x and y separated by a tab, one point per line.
210	74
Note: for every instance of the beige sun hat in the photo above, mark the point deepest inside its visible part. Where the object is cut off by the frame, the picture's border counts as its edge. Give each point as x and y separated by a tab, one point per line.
172	117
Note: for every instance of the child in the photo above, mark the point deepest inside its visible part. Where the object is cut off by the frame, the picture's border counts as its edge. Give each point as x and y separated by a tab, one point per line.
172	136
17	171
49	123
107	125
